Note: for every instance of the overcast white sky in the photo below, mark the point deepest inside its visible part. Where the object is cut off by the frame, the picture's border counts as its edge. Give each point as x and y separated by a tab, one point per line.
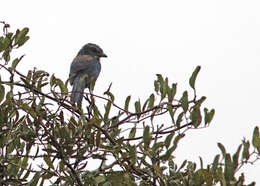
146	37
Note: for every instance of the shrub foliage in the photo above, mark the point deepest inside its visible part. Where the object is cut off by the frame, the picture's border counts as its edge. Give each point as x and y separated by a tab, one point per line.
45	139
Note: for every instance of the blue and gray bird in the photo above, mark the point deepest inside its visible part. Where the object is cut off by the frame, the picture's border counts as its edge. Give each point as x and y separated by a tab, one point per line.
84	70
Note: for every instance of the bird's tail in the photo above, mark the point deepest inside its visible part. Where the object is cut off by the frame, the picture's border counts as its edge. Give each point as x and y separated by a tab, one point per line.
77	90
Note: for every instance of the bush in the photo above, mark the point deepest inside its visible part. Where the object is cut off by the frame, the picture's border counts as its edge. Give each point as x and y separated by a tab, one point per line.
44	139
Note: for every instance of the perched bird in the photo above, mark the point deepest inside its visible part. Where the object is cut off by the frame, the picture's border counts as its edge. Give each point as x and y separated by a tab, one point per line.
84	70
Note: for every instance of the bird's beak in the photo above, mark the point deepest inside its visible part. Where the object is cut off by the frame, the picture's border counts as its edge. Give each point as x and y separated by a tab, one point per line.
103	55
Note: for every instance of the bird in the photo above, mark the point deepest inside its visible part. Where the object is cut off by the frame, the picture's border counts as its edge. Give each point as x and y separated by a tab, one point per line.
84	70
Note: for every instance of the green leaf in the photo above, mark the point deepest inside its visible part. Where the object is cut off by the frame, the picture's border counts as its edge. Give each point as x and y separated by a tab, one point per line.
2	47
48	175
171	112
179	119
215	163
154	112
13	167
2	92
184	101
156	146
23	40
132	153
200	101
98	138
92	82
10	35
100	179
27	173
9	95
202	176
28	109
107	110
127	103
164	88
252	184
146	136
256	138
120	178
208	116
40	84
47	160
2	141
145	105
52	80
42	99
35	179
171	92
23	166
138	107
235	157
151	101
28	77
39	73
14	63
20	37
156	86
160	78
193	77
24	162
245	153
20	33
182	165
201	163
196	117
10	148
6	43
63	88
6	55
132	132
168	153
168	140
229	168
61	166
211	115
222	148
162	85
177	139
112	97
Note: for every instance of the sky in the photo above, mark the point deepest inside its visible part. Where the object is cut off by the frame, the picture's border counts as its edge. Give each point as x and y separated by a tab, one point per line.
143	38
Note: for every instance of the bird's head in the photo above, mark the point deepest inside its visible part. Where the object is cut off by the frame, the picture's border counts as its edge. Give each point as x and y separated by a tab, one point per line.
92	50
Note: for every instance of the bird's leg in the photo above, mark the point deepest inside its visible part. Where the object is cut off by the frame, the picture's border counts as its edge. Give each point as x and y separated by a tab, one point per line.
89	109
91	101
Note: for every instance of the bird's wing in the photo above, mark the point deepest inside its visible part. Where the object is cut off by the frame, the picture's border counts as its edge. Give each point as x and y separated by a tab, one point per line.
80	62
84	64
